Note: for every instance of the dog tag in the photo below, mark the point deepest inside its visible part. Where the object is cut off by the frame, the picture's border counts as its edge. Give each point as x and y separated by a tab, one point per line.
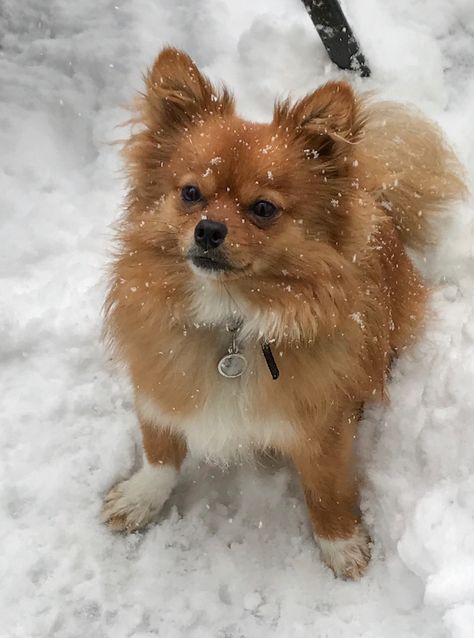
232	365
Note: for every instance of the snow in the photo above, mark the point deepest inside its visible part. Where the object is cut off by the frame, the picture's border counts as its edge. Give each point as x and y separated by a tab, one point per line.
233	554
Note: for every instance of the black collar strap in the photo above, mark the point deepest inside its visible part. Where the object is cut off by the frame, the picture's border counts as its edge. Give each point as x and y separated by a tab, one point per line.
270	360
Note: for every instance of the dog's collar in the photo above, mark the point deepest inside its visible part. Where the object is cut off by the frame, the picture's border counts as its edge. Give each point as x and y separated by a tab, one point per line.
270	360
234	364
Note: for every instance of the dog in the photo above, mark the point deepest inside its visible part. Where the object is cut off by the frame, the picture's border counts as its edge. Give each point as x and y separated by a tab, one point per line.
262	287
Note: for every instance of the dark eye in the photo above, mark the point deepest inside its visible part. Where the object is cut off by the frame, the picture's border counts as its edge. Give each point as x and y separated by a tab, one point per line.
191	193
264	209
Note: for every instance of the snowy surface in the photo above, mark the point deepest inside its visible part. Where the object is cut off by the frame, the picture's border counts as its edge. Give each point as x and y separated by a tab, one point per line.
233	555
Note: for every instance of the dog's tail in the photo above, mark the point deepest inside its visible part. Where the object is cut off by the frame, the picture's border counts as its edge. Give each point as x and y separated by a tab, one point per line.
409	168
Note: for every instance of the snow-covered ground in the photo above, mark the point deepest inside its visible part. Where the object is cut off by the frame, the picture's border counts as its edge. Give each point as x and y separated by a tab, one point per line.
233	555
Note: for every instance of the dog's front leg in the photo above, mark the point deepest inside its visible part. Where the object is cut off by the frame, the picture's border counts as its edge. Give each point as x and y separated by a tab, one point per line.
133	503
327	472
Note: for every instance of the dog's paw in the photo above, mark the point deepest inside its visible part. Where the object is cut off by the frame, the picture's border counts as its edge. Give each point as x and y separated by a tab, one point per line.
347	557
132	504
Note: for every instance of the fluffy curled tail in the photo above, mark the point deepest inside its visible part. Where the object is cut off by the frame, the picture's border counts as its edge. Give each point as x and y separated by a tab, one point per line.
409	168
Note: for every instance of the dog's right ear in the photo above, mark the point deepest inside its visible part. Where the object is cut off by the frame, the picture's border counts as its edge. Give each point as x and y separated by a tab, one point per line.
177	93
177	97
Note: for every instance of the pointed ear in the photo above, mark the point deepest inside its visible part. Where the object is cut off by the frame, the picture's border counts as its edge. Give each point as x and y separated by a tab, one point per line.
326	120
176	92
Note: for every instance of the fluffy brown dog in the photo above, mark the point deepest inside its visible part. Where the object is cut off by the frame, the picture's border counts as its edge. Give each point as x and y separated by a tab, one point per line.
290	236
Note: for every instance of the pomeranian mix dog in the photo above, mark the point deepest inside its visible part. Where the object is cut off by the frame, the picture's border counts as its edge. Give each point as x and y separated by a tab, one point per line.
262	287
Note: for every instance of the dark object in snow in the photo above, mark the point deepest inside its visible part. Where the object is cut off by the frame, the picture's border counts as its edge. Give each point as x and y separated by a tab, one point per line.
271	363
336	35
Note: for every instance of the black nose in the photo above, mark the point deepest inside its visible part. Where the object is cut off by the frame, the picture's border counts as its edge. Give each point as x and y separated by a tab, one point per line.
209	234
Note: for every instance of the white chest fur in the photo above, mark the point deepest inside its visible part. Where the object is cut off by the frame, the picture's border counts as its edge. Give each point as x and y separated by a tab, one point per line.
225	428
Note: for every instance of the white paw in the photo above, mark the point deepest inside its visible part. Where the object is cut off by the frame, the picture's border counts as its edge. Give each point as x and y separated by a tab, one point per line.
347	557
132	504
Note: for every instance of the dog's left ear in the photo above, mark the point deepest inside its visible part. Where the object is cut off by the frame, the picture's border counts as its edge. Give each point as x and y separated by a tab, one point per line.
326	120
176	92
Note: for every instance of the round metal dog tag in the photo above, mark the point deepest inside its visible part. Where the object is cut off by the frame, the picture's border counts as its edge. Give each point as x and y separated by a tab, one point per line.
232	365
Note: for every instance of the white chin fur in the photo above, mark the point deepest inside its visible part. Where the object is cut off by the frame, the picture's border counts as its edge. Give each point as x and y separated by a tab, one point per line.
204	273
212	305
347	557
132	504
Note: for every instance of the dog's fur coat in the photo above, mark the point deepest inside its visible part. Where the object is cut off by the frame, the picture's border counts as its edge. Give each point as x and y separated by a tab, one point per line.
327	282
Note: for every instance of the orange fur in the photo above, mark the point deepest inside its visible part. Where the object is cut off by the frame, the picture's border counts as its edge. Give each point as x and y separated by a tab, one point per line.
328	282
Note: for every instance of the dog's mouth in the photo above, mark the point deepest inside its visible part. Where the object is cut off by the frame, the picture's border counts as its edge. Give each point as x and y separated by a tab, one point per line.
211	262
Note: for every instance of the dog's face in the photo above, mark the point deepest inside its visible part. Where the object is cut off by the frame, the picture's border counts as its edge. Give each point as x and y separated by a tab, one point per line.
235	198
261	207
232	197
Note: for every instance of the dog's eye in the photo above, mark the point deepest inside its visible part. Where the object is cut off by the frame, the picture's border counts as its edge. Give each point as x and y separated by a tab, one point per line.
264	210
190	193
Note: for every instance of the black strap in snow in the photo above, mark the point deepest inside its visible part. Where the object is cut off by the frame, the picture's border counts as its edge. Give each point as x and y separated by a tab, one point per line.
337	35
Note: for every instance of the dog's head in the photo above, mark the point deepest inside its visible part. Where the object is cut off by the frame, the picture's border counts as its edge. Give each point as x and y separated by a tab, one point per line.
262	211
